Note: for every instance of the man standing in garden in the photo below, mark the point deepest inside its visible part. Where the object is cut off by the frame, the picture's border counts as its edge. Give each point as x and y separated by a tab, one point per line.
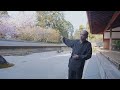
81	51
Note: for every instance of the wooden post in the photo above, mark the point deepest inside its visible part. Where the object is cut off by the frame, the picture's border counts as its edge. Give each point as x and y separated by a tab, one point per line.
103	41
110	44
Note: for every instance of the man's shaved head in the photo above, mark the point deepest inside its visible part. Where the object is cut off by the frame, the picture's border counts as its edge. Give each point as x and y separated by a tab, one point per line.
83	35
85	32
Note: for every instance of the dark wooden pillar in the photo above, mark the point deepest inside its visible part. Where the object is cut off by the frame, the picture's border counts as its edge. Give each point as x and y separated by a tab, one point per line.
110	42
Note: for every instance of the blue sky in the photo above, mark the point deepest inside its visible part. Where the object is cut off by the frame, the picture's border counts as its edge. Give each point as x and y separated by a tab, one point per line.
75	17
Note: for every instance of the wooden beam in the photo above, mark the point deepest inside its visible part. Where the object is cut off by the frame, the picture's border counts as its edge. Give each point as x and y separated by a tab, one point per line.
103	37
114	17
112	31
89	20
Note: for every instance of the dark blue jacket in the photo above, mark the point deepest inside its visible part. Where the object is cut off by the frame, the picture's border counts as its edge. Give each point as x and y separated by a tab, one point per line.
84	50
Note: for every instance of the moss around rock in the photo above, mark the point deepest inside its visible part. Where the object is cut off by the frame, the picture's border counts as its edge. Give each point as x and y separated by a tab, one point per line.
6	65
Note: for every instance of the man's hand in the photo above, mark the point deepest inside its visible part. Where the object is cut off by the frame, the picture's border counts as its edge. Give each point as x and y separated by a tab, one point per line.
75	56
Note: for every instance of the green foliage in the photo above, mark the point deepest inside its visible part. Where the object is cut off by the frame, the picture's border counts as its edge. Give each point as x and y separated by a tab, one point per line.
3	13
54	20
76	34
117	43
78	31
81	27
91	37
